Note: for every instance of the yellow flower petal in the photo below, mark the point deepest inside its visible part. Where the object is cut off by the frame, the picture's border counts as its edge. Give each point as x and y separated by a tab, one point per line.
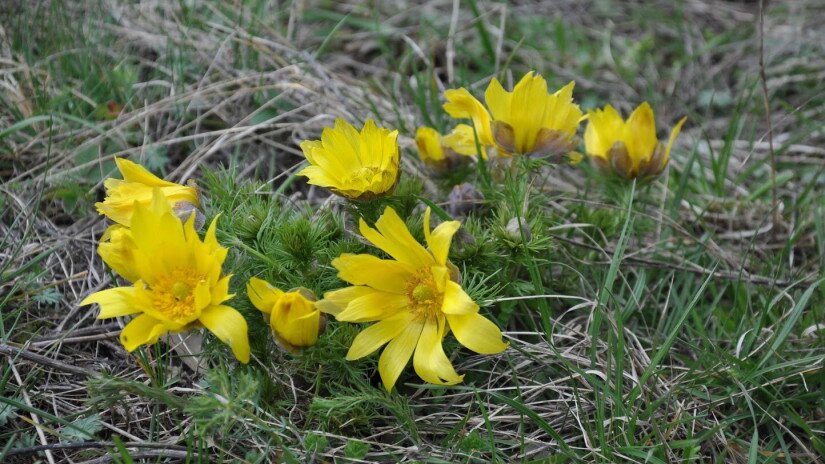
230	327
370	152
640	134
302	331
430	362
210	238
377	335
428	141
344	139
318	176
157	232
203	295
562	114
427	230
397	354
462	105
335	301
439	239
462	140
381	274
456	301
295	319
373	306
395	239
309	147
142	330
117	249
220	290
441	274
114	302
477	333
378	147
527	110
604	128
498	100
393	228
208	255
319	160
262	295
673	134
133	172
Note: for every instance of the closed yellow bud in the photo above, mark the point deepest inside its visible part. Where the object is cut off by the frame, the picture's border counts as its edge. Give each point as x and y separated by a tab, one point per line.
293	317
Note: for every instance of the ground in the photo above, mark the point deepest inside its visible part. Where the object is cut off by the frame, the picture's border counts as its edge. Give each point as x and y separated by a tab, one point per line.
677	320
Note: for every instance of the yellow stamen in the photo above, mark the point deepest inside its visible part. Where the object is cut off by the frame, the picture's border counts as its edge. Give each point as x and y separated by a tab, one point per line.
365	175
173	295
425	299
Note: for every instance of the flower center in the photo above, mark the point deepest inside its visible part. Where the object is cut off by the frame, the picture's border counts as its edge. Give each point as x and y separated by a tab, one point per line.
366	175
180	290
173	295
425	299
423	292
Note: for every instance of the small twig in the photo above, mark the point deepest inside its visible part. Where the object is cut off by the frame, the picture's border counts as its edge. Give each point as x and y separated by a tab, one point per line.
81	332
81	339
92	445
450	52
13	352
59	282
148	455
764	80
500	41
35	419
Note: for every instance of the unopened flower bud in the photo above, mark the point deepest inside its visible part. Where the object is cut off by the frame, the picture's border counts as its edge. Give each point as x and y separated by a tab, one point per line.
464	244
294	317
463	199
517	229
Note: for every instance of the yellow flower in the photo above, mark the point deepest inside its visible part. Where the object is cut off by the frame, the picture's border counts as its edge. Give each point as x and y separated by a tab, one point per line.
462	141
428	141
440	151
178	282
292	315
526	121
359	166
629	147
461	104
137	187
529	120
413	298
